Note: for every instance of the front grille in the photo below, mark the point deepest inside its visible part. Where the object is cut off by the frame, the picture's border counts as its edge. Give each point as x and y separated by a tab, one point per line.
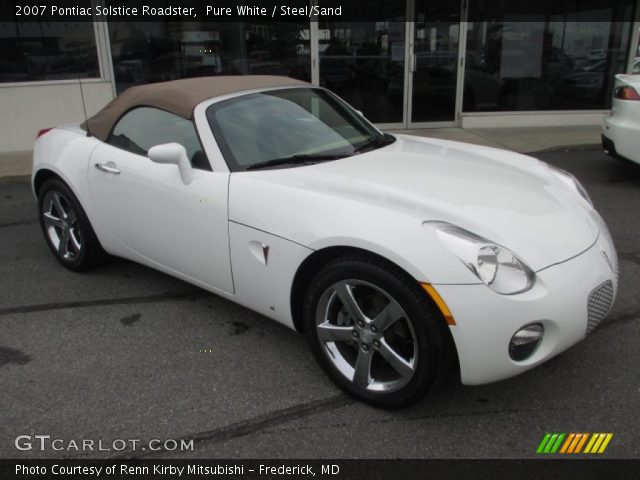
599	304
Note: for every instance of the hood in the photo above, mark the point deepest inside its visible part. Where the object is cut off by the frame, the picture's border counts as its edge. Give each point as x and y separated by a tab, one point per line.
508	198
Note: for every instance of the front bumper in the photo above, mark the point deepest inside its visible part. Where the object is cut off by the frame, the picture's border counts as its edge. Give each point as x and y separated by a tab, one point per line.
559	300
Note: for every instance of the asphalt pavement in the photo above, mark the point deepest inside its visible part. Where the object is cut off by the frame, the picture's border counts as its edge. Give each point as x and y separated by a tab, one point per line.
124	352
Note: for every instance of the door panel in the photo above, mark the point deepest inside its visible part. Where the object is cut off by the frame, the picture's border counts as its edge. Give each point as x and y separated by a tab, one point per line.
434	77
151	216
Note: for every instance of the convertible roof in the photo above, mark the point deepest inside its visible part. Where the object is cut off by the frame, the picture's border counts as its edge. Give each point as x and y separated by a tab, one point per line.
178	96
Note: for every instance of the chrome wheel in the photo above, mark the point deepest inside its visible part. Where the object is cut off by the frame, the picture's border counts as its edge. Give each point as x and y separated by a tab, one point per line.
367	336
61	225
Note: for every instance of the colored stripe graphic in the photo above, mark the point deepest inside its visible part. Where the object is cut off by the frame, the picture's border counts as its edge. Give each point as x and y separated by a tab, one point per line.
596	445
567	443
556	446
543	443
550	443
591	442
598	442
573	443
581	443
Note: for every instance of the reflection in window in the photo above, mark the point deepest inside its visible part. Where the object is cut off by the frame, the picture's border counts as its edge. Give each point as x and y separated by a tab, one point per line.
36	51
260	127
364	63
145	127
560	60
146	52
436	38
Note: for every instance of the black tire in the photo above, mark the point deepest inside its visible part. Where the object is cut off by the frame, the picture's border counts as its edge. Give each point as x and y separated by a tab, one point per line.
424	323
72	226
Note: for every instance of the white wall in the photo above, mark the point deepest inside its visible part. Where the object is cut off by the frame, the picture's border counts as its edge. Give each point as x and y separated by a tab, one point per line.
27	108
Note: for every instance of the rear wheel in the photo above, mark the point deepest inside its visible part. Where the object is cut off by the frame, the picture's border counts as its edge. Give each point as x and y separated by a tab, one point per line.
66	227
375	332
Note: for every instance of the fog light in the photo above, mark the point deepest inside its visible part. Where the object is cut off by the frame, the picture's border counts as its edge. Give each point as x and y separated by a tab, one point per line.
524	341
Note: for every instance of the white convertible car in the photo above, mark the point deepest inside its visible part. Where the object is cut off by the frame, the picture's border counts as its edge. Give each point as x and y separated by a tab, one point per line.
401	258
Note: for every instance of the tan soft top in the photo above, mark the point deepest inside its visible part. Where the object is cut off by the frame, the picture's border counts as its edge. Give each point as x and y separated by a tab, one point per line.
179	96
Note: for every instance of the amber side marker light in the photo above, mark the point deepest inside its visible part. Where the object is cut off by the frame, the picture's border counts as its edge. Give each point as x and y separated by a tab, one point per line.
435	296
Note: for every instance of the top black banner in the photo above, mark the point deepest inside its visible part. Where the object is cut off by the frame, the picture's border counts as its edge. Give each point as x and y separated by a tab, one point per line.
318	10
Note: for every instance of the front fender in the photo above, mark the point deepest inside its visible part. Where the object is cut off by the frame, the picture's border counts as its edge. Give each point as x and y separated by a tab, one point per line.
417	251
318	219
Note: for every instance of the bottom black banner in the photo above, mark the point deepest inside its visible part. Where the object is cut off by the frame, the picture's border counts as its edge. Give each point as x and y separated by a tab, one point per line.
321	469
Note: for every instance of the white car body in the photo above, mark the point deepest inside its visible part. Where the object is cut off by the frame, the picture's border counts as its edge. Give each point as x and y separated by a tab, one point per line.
621	129
213	231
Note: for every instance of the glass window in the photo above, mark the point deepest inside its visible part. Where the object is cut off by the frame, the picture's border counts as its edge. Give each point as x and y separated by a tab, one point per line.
144	127
261	127
363	62
36	51
436	38
563	58
145	52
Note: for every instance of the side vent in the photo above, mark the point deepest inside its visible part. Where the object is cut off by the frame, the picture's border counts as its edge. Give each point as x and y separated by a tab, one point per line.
260	251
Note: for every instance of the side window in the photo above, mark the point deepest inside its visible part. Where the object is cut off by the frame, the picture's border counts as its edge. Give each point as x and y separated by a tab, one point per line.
144	127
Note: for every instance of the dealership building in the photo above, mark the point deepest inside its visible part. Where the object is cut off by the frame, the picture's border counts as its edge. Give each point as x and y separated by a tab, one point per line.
418	64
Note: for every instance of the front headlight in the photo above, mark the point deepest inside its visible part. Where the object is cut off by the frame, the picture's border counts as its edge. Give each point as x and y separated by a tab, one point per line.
496	266
571	181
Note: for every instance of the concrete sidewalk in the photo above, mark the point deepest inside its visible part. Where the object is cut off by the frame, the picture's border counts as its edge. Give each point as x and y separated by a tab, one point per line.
523	140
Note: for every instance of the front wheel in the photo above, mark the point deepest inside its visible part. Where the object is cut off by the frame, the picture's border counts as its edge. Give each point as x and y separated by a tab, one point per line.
375	332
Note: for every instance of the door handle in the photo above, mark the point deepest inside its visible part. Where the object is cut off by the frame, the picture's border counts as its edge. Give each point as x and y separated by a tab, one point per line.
109	167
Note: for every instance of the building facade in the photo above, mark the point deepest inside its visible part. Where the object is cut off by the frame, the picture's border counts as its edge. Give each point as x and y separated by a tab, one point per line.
427	63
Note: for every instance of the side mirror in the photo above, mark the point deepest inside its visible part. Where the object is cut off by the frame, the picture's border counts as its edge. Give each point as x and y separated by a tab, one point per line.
176	154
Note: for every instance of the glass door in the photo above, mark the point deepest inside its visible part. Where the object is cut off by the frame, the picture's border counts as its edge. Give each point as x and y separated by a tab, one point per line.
434	63
364	63
401	71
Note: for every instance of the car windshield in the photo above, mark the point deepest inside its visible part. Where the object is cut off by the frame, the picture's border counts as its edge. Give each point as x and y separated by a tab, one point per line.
295	126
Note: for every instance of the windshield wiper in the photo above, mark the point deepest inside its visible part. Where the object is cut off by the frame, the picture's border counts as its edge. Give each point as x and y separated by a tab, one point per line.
301	158
375	142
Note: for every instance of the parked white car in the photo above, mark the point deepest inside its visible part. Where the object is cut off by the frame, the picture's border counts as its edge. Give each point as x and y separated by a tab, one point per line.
399	257
621	129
